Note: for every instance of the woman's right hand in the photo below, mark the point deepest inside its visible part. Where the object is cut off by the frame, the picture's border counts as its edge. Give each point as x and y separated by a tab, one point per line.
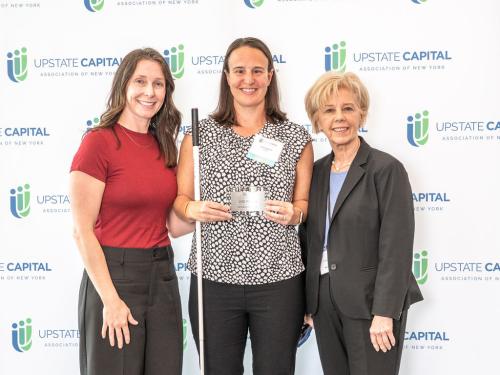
184	205
115	319
206	211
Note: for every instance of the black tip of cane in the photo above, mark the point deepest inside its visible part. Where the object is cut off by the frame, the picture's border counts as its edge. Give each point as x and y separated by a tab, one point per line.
194	126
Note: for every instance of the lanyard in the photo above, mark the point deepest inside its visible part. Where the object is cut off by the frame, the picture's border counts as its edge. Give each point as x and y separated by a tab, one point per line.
329	218
332	190
329	207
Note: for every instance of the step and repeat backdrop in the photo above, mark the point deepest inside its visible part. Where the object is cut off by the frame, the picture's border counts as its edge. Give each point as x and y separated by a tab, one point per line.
432	69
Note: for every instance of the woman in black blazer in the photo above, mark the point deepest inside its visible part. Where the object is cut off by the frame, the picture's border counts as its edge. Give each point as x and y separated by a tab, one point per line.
358	239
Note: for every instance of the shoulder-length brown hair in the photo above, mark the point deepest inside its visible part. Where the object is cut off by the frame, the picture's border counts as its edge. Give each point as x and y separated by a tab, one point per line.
225	113
165	123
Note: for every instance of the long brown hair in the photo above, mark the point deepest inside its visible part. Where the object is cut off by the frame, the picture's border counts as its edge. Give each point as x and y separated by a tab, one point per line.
224	113
165	123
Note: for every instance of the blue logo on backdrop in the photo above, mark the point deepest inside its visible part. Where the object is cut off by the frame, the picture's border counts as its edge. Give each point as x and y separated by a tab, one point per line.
400	60
398	56
75	66
159	3
92	123
24	271
23	136
430	197
182	271
426	340
335	57
175	60
94	5
430	201
418	1
24	132
59	337
20	201
183	129
21	335
417	129
477	267
181	267
486	130
25	267
254	3
17	65
426	336
212	64
468	270
54	203
73	62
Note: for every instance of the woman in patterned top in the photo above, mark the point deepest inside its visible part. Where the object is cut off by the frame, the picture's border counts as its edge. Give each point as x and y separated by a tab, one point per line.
252	268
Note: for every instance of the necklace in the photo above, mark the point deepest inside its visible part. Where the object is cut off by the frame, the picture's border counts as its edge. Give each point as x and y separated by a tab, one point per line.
338	168
132	139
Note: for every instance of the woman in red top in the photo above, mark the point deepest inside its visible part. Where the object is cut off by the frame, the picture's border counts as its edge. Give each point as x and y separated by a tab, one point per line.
122	189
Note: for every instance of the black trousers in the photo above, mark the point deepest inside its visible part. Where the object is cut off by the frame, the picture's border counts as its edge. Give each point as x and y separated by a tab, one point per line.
146	281
273	313
344	343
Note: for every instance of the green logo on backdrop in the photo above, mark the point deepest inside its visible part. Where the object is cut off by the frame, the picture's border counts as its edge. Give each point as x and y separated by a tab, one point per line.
184	334
174	57
93	123
20	201
17	65
417	129
254	3
420	267
21	335
94	5
335	57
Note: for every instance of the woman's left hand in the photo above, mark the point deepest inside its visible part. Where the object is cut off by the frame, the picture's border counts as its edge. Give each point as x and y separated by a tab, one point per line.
381	334
280	212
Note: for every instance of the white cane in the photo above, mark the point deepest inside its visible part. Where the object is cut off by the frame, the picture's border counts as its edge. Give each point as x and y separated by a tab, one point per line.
199	265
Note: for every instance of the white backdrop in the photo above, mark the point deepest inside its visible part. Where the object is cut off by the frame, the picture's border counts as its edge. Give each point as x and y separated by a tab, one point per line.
438	57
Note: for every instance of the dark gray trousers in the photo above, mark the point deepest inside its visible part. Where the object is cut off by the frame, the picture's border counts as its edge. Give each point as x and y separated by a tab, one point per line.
344	343
272	313
146	281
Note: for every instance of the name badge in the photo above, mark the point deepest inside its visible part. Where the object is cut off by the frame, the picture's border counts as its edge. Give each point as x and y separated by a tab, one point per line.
324	262
265	150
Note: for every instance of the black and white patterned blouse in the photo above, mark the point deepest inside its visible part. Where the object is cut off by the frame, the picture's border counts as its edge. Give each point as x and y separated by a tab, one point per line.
250	250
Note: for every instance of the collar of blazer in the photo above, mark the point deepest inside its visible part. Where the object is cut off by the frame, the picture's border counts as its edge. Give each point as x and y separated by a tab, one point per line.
356	171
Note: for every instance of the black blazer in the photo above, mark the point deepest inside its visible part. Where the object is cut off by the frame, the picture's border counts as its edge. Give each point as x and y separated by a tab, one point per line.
370	241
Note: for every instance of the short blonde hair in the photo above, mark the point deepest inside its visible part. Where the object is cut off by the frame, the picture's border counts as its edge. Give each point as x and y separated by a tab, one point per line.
329	84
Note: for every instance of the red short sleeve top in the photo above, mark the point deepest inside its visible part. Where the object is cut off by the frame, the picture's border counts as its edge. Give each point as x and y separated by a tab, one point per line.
139	190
